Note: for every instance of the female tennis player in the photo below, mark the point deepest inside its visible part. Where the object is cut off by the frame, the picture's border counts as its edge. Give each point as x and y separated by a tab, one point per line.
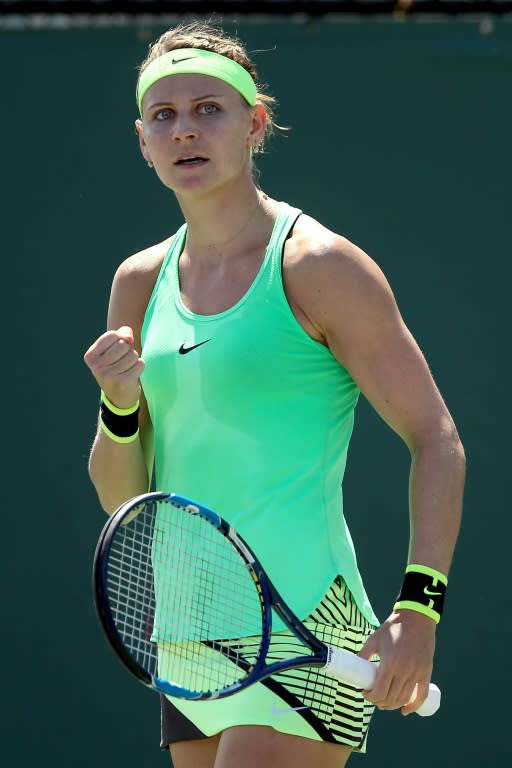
234	355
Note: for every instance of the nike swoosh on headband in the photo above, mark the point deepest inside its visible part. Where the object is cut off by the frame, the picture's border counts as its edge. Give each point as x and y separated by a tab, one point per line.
205	63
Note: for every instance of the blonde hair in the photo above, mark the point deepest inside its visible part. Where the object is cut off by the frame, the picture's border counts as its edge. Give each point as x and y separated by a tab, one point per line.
206	35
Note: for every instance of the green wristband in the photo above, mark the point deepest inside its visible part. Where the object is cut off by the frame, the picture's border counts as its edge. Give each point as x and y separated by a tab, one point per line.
118	411
118	438
411	605
427	571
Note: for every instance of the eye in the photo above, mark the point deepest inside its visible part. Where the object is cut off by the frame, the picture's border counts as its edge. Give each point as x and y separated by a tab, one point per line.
208	109
163	114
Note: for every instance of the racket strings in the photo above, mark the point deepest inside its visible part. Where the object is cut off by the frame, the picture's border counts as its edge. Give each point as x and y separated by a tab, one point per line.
130	589
181	598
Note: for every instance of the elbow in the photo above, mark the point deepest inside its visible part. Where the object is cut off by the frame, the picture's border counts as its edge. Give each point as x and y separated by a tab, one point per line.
452	456
107	503
461	453
441	438
454	446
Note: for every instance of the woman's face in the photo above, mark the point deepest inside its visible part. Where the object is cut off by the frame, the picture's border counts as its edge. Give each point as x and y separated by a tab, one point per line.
197	131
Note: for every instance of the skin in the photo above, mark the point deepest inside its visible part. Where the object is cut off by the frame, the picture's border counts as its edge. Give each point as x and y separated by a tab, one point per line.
328	280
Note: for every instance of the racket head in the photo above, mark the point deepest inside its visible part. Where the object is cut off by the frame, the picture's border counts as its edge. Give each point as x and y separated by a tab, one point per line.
182	599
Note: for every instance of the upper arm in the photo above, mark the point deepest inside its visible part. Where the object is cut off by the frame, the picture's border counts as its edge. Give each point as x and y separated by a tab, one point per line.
354	308
131	290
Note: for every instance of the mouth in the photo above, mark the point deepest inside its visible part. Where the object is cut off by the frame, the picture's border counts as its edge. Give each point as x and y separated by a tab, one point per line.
191	160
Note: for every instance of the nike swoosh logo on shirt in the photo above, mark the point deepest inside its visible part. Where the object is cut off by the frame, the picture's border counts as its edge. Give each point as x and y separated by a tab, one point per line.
183	350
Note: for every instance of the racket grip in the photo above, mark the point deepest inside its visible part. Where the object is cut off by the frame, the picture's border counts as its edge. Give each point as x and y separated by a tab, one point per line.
353	669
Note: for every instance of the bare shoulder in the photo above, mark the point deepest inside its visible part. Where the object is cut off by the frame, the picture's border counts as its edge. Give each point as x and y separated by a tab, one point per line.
133	284
315	248
327	275
142	266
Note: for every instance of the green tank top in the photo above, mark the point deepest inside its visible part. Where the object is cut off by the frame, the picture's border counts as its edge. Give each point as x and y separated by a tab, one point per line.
253	418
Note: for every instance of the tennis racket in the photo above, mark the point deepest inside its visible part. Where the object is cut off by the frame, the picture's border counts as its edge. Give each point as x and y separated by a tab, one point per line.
189	610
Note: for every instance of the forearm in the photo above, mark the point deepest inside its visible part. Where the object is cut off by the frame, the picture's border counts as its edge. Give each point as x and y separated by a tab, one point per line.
118	471
435	500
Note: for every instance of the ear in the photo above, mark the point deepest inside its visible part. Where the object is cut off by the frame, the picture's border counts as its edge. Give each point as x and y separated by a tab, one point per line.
142	144
258	125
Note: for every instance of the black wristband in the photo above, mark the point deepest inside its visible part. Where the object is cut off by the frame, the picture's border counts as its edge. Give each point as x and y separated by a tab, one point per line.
120	424
423	590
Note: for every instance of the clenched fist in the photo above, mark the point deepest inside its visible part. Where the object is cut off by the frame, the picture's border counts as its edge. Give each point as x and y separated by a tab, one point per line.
116	365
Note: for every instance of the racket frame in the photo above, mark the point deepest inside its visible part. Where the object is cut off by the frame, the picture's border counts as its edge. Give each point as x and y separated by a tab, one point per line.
268	596
336	662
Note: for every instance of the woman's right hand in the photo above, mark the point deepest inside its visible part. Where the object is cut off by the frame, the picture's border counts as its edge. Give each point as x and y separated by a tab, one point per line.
116	365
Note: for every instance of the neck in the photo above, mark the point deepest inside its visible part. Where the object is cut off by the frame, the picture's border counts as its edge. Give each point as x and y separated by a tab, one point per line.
225	224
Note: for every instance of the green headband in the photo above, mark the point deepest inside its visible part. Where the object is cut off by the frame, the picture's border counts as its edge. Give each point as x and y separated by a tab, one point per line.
197	61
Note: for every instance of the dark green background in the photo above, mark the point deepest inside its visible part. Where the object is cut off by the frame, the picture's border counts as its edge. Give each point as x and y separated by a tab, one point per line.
399	141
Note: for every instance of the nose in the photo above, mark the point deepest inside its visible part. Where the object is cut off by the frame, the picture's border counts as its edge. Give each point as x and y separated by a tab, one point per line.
184	129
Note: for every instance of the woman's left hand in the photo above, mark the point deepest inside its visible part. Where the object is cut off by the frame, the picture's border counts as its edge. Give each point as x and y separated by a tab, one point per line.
405	645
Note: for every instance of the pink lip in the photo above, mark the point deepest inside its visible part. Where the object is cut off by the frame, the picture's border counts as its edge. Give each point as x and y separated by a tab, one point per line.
199	160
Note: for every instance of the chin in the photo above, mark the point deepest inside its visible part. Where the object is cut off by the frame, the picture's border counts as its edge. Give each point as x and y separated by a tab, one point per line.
196	187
